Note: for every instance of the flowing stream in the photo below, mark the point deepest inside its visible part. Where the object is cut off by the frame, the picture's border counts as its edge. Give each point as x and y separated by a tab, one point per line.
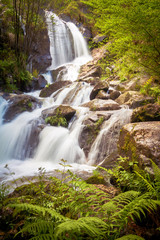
26	145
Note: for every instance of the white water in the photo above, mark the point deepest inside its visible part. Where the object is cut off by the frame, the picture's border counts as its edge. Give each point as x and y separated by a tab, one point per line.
3	107
68	48
109	130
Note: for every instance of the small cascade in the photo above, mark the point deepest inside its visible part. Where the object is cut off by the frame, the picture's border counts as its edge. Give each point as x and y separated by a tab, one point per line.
3	108
15	137
106	141
60	143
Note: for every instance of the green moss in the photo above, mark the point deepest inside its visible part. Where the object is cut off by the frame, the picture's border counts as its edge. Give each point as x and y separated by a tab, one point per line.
96	180
129	148
30	104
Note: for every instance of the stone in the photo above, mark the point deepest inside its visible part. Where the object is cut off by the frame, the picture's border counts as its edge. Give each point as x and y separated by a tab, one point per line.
141	142
101	105
103	95
91	126
64	110
40	58
149	112
94	71
133	99
19	104
47	91
58	73
114	94
101	85
99	38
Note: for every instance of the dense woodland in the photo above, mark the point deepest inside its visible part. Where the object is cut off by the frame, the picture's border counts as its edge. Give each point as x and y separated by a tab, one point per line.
119	203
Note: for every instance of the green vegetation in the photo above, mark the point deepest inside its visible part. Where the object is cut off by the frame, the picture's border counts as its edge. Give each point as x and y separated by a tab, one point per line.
72	209
57	120
133	28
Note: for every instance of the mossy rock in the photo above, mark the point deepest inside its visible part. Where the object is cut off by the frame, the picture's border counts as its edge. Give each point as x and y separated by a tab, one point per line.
149	112
96	179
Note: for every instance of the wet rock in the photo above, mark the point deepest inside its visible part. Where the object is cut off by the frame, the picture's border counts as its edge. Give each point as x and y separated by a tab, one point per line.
47	91
141	142
72	94
149	112
92	80
94	71
101	85
90	130
64	110
102	105
37	83
19	104
58	73
40	58
133	99
103	95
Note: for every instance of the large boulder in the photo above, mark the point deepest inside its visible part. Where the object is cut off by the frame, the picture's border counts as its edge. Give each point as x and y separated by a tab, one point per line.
141	142
64	110
149	112
133	99
47	91
101	105
101	85
19	104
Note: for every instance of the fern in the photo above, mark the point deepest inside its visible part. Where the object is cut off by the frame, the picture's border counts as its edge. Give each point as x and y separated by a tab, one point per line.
93	227
149	186
39	227
37	209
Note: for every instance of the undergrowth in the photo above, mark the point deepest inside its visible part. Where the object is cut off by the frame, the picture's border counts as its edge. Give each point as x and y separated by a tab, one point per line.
69	208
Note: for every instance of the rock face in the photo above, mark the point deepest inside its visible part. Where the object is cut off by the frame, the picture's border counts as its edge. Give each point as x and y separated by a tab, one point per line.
19	104
149	112
141	142
47	91
40	58
133	99
64	110
102	105
102	85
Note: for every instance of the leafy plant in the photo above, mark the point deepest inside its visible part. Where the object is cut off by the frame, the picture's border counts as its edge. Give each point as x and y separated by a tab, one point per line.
57	120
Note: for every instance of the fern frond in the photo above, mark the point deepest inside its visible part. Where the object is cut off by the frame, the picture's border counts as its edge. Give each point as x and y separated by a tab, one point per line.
137	207
149	186
37	209
90	226
38	227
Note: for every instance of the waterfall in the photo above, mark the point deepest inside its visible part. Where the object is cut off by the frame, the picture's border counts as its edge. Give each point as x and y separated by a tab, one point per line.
67	46
27	142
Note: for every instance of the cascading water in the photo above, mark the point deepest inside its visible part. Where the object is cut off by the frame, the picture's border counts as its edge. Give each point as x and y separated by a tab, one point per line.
26	142
66	42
